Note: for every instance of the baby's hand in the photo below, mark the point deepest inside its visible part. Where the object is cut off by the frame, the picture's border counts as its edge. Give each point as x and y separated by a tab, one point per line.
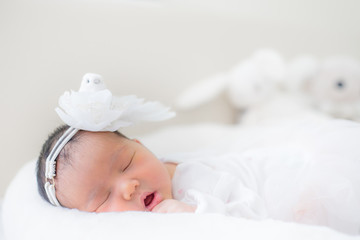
173	206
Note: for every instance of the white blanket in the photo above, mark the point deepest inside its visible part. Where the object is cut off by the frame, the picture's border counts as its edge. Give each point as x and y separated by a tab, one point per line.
308	174
27	216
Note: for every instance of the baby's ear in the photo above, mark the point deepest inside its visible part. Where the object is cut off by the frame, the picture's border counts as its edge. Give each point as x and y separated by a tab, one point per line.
136	140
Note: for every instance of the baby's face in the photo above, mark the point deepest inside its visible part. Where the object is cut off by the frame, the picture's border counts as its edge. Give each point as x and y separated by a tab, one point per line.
109	173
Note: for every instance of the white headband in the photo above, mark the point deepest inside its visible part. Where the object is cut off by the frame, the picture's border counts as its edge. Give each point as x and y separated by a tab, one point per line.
94	108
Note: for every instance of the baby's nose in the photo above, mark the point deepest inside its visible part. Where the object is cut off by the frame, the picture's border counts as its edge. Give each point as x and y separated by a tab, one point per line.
129	188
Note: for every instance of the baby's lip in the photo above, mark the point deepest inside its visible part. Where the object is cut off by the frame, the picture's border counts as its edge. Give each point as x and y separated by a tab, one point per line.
150	200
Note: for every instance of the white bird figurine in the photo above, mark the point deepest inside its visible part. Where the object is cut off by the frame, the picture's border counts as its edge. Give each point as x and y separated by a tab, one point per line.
92	82
94	108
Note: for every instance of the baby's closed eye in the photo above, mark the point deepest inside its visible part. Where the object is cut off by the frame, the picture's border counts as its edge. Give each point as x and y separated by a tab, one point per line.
107	196
129	164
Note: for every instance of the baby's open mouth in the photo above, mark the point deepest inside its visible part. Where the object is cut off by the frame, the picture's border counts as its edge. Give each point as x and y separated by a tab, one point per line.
149	199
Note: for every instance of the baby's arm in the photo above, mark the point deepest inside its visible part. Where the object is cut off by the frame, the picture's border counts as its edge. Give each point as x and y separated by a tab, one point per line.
173	206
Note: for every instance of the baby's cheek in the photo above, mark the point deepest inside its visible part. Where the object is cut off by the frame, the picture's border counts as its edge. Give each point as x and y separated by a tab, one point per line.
158	173
118	205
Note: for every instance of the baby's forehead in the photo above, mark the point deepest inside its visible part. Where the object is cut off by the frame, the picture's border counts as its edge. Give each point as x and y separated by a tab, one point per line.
94	150
91	145
101	140
99	137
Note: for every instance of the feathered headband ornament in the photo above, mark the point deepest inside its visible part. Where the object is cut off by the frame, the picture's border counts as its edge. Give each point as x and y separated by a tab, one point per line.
94	108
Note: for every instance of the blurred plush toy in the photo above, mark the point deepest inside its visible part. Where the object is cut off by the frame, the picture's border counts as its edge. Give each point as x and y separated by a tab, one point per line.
250	83
333	84
298	73
336	87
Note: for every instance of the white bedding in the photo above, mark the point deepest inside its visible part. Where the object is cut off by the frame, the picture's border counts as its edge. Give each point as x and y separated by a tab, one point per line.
27	216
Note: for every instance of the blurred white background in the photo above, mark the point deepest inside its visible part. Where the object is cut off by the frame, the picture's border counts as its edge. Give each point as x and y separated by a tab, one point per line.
154	49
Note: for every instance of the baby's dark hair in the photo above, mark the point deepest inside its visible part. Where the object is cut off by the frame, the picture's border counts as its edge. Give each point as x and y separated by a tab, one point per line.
64	155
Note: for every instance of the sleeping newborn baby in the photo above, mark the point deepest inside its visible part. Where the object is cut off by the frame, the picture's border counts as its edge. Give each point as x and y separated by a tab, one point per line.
314	180
107	172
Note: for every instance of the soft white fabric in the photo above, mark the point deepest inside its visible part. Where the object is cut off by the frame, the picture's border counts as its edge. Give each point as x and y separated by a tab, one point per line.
27	216
290	183
226	186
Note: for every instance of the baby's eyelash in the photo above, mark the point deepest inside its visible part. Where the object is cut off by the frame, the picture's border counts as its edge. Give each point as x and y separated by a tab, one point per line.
129	162
103	202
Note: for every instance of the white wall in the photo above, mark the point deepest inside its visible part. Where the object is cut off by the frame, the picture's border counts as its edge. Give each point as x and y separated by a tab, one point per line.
153	49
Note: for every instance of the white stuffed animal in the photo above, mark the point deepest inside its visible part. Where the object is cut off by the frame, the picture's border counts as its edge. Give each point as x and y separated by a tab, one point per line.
333	85
335	88
250	83
299	71
255	80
